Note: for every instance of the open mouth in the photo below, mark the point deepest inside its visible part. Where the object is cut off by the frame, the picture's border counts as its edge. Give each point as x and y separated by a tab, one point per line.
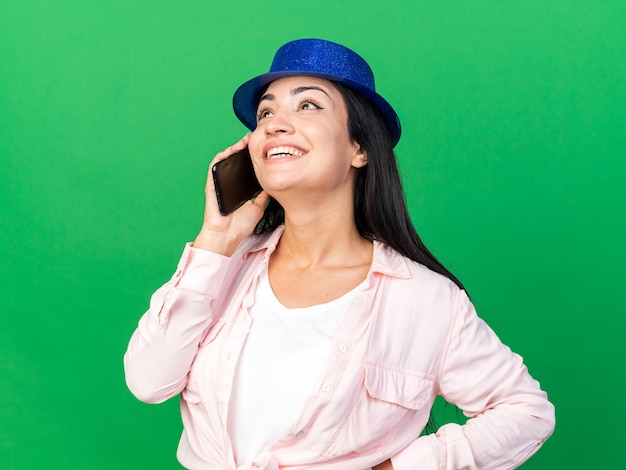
283	152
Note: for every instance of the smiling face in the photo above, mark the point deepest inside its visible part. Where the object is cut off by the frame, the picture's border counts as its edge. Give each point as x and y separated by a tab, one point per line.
301	142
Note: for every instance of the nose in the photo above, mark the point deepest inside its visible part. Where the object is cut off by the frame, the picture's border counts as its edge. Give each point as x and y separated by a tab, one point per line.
279	124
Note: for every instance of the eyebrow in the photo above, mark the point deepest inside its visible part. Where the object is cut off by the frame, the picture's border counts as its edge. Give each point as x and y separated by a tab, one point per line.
295	91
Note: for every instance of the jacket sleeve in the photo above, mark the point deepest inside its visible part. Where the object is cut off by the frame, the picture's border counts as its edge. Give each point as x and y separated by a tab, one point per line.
509	415
163	347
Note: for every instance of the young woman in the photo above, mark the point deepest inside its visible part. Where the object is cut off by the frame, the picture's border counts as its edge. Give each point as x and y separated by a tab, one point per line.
311	328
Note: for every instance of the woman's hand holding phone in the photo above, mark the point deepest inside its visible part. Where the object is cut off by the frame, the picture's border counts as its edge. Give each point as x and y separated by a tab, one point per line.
223	233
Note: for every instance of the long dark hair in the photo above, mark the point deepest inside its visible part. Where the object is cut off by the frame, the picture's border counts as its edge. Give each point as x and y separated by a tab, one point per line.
380	209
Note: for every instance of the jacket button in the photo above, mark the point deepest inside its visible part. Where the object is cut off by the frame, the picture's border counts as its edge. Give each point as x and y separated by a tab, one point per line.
343	348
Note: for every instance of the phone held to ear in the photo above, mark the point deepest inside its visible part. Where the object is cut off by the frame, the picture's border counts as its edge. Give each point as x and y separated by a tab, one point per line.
235	181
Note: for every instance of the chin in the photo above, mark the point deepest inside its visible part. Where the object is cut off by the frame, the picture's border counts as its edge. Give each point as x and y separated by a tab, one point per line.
275	185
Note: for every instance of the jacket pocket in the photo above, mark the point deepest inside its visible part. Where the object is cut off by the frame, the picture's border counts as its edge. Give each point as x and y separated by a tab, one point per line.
388	398
408	389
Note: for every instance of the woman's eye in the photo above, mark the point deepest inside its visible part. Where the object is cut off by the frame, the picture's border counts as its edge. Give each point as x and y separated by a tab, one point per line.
263	113
308	105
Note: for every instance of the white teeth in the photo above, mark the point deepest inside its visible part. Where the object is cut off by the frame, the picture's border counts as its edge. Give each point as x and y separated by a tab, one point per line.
281	152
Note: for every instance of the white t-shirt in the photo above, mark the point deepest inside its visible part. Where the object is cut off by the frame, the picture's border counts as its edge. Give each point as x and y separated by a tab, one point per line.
279	368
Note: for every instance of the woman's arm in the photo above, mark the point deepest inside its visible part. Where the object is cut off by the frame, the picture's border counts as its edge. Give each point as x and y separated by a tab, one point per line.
167	338
166	341
510	416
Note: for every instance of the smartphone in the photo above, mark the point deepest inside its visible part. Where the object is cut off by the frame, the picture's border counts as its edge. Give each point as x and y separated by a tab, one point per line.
235	181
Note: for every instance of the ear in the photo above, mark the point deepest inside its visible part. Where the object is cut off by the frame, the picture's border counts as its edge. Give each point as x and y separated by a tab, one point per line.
359	159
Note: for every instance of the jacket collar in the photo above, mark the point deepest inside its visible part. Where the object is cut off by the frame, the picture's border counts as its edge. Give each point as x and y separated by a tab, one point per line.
385	261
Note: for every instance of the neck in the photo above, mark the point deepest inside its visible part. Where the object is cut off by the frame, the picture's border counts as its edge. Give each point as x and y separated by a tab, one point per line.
322	234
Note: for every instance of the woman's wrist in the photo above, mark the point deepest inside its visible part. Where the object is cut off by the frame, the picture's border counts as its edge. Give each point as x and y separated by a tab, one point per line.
222	243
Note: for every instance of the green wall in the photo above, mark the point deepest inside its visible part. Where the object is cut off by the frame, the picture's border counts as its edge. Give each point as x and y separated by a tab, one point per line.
513	156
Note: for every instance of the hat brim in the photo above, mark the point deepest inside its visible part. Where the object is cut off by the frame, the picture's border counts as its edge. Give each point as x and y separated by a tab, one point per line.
246	99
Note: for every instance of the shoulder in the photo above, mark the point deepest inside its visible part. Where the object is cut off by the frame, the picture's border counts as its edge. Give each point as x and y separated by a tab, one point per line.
417	300
418	309
406	274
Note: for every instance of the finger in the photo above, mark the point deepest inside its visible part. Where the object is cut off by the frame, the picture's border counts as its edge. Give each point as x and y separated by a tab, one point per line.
261	200
240	145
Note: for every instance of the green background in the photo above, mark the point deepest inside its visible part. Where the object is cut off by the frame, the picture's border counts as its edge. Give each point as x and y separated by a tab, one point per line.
512	154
